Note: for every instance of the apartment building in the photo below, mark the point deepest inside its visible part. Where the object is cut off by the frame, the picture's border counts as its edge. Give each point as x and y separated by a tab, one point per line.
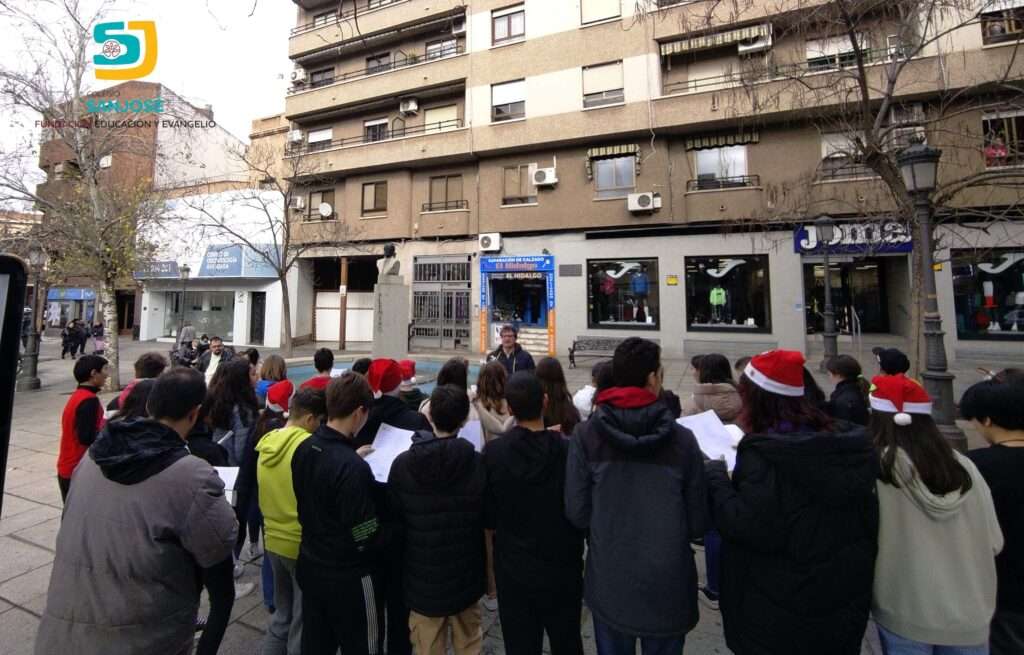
582	168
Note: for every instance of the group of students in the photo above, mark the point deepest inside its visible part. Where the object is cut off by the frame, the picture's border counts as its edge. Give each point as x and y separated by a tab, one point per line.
75	336
822	524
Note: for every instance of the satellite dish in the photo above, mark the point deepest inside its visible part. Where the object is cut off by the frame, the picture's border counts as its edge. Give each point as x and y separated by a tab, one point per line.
325	209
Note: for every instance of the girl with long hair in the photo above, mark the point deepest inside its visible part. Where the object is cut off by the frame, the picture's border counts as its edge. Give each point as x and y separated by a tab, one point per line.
935	579
134	405
715	390
273	370
849	400
455	372
490	404
560	415
232	406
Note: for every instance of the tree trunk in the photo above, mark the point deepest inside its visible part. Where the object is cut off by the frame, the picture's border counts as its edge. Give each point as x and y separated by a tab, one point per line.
107	308
286	317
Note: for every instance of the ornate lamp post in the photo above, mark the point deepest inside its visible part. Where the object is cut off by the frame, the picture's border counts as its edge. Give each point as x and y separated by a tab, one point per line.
184	273
919	166
826	229
29	380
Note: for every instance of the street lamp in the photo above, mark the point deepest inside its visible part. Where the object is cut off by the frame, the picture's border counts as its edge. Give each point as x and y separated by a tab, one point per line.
919	166
29	380
826	229
184	272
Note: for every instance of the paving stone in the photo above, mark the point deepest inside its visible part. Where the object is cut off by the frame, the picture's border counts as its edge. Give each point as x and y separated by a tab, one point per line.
42	534
28	590
19	557
14	506
43	491
38	514
18	628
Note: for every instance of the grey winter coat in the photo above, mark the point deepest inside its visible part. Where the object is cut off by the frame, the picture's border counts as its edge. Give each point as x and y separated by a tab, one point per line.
142	519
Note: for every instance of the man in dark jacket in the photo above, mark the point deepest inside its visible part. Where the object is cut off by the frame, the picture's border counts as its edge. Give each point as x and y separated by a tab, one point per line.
538	554
510	354
146	523
635	479
437	496
210	360
385	378
341	607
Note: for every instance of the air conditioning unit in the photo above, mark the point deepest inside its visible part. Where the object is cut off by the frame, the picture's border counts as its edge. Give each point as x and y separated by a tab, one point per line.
299	75
296	136
459	26
545	177
759	44
644	203
298	202
490	242
409	106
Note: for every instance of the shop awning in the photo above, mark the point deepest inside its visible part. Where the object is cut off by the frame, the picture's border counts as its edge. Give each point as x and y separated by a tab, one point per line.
612	151
708	41
721	140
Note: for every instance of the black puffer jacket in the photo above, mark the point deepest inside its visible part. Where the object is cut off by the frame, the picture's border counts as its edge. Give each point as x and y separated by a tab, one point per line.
848	403
437	496
799	524
393	411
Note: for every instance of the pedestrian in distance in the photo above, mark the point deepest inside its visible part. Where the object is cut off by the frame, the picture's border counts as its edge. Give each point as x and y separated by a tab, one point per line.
187	336
798	520
273	370
436	489
212	358
81	419
583	399
635	481
409	391
341	603
140	481
490	404
994	408
280	514
99	342
538	553
69	340
510	354
81	337
715	390
560	414
935	581
188	354
891	361
849	400
323	362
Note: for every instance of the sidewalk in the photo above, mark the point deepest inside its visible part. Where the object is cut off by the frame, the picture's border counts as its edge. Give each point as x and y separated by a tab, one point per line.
32	507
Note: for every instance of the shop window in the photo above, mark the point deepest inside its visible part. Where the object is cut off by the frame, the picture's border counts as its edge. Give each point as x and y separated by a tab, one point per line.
518	189
211	312
720	168
988	292
317	198
623	293
615	177
375	130
602	85
445	193
1004	25
321	77
728	293
508	101
442	48
508	24
1004	139
375	197
595	10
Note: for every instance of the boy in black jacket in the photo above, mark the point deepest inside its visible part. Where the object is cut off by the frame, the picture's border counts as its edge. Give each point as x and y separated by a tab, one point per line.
437	496
538	553
341	607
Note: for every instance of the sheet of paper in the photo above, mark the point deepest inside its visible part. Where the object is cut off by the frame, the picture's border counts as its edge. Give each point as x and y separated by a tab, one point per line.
229	474
735	431
473	432
389	443
713	437
338	372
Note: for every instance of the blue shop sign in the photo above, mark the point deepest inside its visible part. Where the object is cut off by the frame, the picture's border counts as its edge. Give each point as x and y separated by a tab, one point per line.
881	238
68	293
235	260
520	264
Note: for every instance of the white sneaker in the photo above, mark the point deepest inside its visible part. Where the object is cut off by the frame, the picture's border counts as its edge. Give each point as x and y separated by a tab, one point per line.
239	570
491	604
244	589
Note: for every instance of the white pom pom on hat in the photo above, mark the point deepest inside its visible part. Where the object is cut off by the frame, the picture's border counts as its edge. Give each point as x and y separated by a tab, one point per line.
903	419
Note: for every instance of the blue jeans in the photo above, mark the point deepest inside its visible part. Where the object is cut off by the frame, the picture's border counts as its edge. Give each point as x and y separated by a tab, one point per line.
893	644
613	642
267	582
713	559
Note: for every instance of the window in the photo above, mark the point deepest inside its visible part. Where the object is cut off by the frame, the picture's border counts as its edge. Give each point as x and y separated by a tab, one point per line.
324	18
988	293
1006	24
615	177
436	119
375	197
832	52
623	293
722	167
321	77
317	198
319	139
378	63
518	189
602	85
595	10
840	158
1004	139
445	193
728	293
375	130
508	101
508	24
442	48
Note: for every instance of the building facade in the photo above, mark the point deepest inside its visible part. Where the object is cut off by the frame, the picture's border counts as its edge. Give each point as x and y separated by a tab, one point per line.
584	168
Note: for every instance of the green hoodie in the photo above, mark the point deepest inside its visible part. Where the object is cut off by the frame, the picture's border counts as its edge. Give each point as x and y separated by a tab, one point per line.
277	496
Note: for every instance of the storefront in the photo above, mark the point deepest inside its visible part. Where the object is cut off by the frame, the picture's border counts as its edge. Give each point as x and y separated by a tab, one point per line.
518	290
65	304
988	293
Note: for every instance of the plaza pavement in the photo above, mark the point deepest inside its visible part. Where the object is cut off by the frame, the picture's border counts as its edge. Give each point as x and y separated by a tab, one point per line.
32	506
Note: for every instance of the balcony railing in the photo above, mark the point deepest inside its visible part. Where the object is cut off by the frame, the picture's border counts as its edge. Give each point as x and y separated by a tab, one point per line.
779	72
359	8
843	168
394	63
376	137
447	205
715	183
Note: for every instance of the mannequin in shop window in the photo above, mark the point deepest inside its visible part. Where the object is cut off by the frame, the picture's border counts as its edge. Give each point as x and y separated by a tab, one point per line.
640	286
718	298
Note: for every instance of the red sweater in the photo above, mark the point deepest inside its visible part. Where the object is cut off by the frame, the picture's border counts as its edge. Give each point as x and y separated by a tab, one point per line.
316	383
79	426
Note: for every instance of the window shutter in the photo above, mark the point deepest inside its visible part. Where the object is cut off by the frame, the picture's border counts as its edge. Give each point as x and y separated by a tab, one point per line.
454	188
437	190
381	195
509	92
594	10
497	13
445	114
606	77
320	135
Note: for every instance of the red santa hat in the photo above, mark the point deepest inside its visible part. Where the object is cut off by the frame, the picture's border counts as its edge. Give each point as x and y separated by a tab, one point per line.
899	395
384	375
408	367
778	371
279	396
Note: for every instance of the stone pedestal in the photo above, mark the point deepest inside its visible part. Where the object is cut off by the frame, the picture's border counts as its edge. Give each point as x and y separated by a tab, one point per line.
390	318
